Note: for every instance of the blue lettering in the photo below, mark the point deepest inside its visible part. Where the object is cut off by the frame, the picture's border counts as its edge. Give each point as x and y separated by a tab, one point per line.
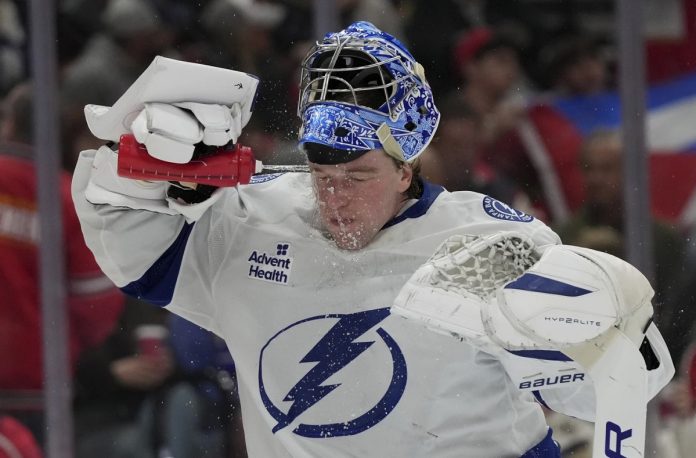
620	437
263	258
542	382
271	275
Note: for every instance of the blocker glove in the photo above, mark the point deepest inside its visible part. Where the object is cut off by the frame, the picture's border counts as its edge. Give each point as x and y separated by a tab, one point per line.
170	132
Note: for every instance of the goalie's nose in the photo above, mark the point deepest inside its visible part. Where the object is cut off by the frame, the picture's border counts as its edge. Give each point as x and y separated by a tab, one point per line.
333	195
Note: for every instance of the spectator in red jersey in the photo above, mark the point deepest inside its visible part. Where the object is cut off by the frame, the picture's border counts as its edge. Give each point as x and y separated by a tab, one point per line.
93	303
488	62
542	149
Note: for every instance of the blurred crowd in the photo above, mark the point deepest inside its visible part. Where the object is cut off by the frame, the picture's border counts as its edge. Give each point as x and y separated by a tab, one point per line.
496	66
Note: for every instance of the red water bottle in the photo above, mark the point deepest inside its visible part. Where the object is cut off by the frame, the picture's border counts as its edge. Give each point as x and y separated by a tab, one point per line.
227	166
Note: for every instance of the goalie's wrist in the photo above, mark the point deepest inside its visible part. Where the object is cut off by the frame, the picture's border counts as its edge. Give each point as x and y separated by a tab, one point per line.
197	203
189	193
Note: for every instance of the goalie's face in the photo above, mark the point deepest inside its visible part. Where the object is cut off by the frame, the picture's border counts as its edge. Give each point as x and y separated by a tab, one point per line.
357	198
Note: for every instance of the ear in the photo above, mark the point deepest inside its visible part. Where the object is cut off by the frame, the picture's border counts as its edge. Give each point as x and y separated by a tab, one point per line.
406	177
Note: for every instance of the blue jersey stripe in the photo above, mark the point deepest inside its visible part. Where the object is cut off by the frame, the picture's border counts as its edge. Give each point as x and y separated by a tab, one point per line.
549	355
539	284
540	400
157	284
547	448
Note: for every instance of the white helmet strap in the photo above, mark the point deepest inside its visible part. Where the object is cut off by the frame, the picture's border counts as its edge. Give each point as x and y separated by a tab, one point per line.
389	143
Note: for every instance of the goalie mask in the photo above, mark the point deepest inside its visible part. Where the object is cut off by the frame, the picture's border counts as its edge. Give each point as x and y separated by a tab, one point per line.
362	90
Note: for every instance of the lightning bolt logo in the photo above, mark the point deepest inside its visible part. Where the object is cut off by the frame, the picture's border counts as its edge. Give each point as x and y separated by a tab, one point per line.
334	351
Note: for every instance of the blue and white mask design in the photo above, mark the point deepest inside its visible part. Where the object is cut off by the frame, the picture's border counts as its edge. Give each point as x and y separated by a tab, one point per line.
362	90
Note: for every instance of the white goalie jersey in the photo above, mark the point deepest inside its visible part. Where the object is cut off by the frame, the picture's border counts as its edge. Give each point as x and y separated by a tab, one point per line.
324	368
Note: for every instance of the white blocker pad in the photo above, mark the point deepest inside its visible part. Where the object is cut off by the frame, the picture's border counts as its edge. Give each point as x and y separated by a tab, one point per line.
172	81
571	295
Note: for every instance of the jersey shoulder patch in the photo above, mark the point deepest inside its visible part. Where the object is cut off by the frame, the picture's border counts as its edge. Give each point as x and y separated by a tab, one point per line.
503	211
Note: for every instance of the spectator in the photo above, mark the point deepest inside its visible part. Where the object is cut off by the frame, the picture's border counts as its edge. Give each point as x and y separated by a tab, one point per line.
454	157
434	50
488	62
118	388
139	395
12	46
241	32
132	36
92	301
678	408
681	318
576	66
75	25
543	149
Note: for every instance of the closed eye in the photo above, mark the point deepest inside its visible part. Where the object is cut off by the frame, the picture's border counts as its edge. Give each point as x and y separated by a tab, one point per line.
363	174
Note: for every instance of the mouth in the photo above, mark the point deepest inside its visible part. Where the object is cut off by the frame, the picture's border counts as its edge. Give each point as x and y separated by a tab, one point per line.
341	222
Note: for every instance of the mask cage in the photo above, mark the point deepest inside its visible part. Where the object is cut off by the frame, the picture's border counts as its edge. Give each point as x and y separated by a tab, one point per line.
345	72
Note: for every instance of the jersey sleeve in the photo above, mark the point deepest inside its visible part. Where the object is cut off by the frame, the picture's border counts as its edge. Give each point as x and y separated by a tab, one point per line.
575	401
144	252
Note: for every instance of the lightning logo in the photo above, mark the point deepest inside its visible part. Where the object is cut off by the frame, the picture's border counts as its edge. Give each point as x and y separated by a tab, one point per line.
332	353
